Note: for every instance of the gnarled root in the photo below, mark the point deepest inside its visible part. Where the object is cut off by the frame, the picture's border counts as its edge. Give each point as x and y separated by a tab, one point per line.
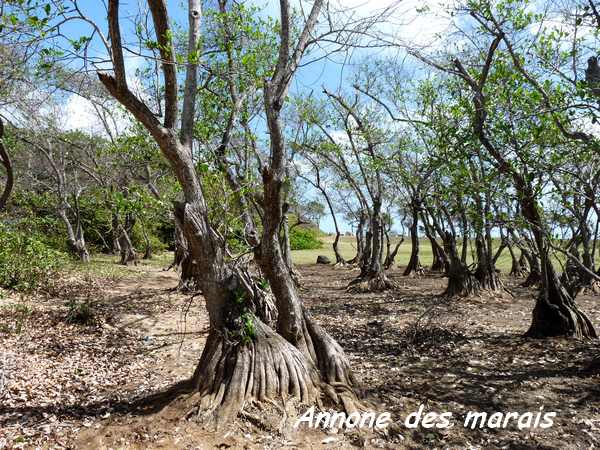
462	285
518	271
266	369
377	282
556	314
338	382
416	271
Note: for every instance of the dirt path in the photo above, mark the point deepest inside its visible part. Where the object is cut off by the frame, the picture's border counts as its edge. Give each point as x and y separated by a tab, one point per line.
71	386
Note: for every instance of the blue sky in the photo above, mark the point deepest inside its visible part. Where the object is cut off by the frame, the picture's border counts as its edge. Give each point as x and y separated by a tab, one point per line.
332	72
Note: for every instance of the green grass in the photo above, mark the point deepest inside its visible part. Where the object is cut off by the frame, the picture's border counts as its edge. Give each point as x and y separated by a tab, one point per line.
348	250
107	266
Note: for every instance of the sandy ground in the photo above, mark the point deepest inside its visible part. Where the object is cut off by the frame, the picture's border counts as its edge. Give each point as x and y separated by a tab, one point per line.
72	386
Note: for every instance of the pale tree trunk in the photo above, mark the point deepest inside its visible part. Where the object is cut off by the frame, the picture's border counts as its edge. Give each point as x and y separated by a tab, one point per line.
372	277
128	253
75	237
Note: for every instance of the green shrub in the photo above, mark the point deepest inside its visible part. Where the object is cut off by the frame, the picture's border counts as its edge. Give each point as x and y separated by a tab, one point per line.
81	313
302	238
26	261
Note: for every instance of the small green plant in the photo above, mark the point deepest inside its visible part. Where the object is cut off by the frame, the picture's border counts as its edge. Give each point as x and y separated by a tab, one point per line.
240	320
263	284
81	313
248	332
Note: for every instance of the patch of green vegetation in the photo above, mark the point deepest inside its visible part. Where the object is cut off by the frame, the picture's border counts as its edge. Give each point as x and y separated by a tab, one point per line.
26	261
241	319
347	246
305	238
80	312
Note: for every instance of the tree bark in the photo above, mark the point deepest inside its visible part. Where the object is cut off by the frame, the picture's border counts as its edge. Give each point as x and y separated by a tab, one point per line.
461	281
5	161
372	277
75	237
414	263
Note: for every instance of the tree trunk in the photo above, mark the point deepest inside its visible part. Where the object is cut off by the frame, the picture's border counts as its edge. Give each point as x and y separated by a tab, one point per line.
461	281
516	268
184	262
372	277
116	246
148	250
5	161
555	312
128	253
391	255
360	239
414	264
440	260
486	273
75	238
534	277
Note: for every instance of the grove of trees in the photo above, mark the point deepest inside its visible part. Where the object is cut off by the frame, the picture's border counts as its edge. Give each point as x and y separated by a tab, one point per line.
484	142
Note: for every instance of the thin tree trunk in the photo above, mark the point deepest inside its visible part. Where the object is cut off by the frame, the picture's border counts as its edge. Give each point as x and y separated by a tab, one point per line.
461	281
414	263
5	161
372	277
75	238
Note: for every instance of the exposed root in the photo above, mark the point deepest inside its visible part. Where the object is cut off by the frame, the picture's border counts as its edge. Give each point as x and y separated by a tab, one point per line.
415	272
556	314
518	272
378	282
267	369
338	382
462	285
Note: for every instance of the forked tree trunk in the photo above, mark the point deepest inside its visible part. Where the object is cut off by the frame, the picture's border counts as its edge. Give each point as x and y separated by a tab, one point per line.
243	360
391	255
461	281
440	260
516	267
128	253
486	272
75	237
372	277
148	244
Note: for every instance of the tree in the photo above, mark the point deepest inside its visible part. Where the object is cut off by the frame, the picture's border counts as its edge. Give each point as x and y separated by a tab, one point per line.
244	358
